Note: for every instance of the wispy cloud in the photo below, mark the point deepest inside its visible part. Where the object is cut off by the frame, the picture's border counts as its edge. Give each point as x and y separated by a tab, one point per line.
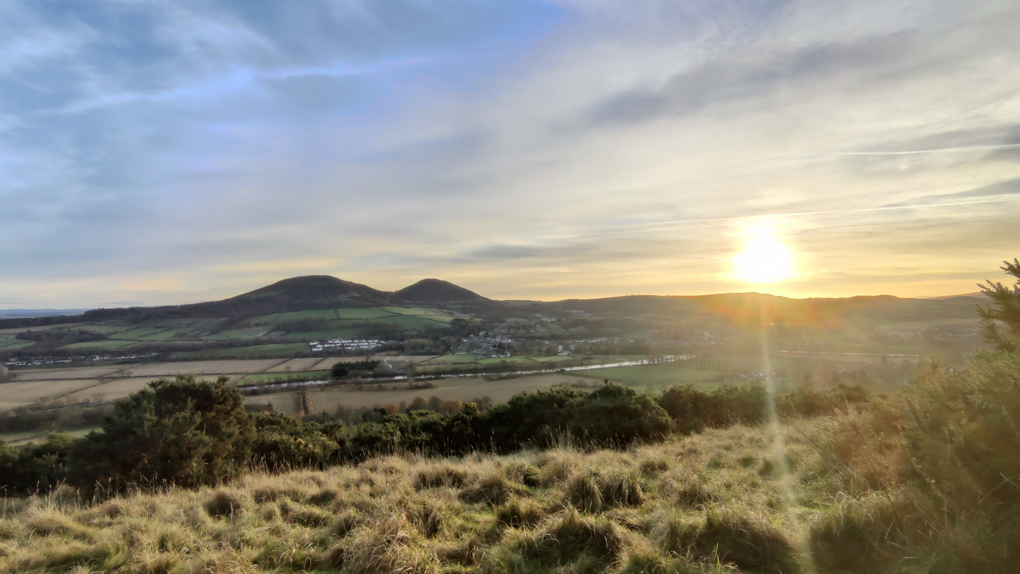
173	151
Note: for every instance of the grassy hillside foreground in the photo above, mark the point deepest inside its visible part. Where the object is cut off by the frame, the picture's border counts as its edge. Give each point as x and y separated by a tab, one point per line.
710	502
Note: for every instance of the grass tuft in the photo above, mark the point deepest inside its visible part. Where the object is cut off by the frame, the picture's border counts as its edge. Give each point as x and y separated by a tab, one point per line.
518	513
223	504
523	473
439	475
493	490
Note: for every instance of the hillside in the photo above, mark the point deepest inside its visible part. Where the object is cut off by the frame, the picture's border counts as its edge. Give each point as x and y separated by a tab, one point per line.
326	292
436	291
641	511
313	290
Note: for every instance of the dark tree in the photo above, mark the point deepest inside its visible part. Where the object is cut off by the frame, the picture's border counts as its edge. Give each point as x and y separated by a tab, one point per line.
1006	310
187	432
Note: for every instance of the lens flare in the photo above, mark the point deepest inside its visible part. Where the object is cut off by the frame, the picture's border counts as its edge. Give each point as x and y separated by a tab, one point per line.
764	260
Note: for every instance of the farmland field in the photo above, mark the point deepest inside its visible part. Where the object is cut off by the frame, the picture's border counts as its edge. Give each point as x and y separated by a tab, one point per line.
14	395
465	390
241	352
369	313
295	365
9	343
72	373
351	333
516	359
245	333
138	333
204	367
260	378
459	358
109	345
16	330
658	375
115	389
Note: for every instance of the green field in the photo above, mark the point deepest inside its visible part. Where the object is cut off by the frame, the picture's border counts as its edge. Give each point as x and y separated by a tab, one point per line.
277	350
433	314
100	345
350	333
139	333
459	358
246	333
162	335
517	360
302	315
659	375
369	313
262	378
9	343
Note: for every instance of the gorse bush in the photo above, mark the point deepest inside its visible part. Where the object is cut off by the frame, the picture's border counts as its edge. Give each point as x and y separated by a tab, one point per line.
945	452
693	410
186	432
190	432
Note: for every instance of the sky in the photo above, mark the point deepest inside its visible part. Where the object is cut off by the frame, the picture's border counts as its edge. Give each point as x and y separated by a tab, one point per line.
163	152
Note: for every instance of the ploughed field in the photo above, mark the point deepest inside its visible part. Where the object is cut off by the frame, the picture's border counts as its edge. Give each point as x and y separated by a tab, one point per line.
99	384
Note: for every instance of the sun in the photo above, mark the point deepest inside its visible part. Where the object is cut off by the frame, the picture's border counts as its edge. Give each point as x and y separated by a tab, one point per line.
764	260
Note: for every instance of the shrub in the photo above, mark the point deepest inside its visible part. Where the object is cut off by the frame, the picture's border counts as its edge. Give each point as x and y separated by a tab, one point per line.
34	468
609	416
187	432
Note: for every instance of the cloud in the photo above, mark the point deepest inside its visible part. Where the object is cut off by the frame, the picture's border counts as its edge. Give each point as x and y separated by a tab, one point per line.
754	75
528	149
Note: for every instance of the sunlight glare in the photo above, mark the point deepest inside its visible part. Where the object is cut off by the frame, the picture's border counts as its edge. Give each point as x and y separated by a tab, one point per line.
764	260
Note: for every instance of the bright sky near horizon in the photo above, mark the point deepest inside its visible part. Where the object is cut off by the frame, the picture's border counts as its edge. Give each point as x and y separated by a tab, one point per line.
156	152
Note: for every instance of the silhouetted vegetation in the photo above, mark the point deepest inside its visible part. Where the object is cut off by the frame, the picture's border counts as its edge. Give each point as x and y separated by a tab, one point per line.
191	432
353	368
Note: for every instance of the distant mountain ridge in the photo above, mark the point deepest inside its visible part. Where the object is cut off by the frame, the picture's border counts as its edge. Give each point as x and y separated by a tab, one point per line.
325	292
317	292
29	313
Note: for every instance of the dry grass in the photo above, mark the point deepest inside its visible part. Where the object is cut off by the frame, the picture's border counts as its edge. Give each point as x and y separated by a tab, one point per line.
697	504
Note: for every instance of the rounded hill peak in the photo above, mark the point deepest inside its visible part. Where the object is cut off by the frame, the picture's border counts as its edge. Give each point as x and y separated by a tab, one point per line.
436	291
315	289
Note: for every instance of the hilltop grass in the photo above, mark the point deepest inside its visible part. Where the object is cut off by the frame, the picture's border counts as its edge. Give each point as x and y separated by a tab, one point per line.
706	503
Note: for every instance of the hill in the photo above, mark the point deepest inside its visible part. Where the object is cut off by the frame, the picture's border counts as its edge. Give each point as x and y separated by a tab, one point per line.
631	313
313	290
436	291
